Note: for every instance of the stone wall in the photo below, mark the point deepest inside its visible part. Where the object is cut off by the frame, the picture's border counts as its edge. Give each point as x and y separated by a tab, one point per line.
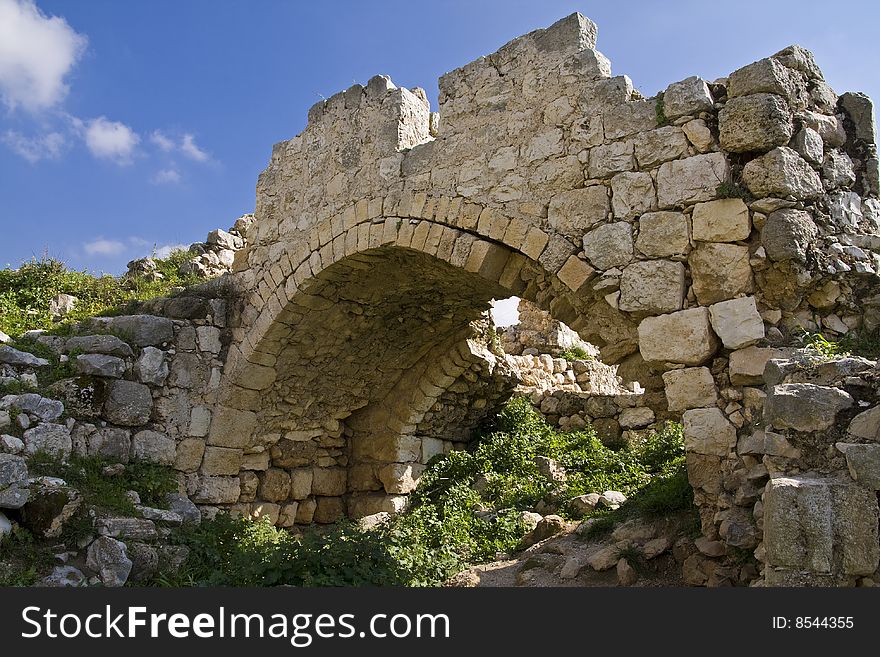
538	333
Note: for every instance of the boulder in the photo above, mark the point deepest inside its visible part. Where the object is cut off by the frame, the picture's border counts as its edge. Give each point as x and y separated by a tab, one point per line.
866	425
64	577
764	76
184	507
788	234
51	505
626	574
584	504
154	447
139	529
40	408
550	469
108	559
863	462
274	485
61	305
804	406
636	418
111	442
747	365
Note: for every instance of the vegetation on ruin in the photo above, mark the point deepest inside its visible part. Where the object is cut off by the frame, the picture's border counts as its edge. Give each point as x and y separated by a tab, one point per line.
575	353
865	344
25	292
467	509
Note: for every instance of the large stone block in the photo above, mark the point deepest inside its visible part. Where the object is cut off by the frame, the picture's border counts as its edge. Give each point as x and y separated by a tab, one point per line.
128	404
788	234
720	271
329	481
652	286
274	485
139	330
574	212
663	234
632	194
101	365
737	322
189	454
690	96
724	220
691	387
232	427
863	462
155	447
98	344
866	425
764	76
754	123
707	431
13	482
682	337
804	406
610	245
221	461
747	365
691	180
400	478
217	490
833	531
782	173
53	439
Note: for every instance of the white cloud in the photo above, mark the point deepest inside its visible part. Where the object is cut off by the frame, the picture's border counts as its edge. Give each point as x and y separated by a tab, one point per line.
34	149
167	249
166	177
188	147
36	54
111	140
164	143
101	246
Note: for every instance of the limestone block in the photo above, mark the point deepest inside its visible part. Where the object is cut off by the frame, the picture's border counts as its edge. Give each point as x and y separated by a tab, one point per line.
250	482
232	427
199	421
108	558
139	330
804	406
690	96
737	322
866	425
13	482
189	454
151	367
609	245
681	337
575	273
782	173
53	439
98	344
128	403
860	110
258	461
809	145
329	509
764	76
274	484
400	478
155	447
724	220
221	461
747	365
209	339
788	234
110	442
287	513
636	418
652	286
632	194
707	431
691	180
608	159
217	490
720	271
834	531
837	170
863	462
301	483
699	134
663	234
704	472
100	365
305	511
661	145
574	212
756	122
329	481
691	387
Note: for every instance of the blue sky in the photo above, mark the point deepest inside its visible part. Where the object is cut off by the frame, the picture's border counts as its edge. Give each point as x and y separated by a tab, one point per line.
126	126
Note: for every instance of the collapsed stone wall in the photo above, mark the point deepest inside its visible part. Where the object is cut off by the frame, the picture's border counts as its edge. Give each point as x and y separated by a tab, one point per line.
538	333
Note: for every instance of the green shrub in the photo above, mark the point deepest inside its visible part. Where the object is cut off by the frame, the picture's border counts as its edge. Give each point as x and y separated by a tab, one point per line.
575	353
732	190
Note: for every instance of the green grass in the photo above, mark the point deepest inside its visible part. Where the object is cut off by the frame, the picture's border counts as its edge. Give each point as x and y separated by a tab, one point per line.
855	343
23	559
441	533
732	190
575	353
26	291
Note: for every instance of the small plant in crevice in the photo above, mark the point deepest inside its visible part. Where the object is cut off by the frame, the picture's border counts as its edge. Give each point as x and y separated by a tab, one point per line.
575	353
729	189
660	111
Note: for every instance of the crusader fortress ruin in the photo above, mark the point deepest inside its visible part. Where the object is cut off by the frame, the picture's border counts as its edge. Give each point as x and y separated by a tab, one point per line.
688	237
